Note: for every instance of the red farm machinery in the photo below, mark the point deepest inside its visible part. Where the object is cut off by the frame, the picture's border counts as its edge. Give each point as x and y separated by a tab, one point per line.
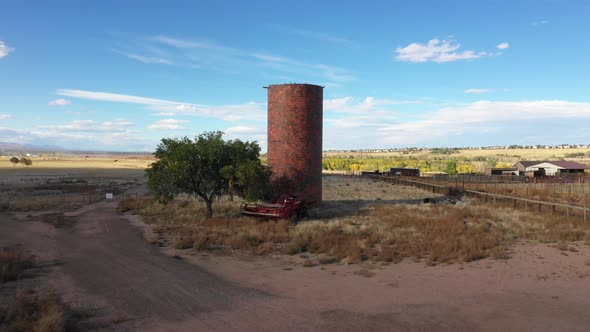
284	207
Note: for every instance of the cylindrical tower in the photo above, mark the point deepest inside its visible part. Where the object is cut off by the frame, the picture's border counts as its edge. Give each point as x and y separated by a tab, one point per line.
295	121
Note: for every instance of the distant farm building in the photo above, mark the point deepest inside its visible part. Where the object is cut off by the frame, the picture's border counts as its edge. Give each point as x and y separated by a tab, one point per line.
502	171
402	172
549	168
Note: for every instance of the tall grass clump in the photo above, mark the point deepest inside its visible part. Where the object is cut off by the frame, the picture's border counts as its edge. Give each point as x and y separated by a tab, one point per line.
13	262
36	312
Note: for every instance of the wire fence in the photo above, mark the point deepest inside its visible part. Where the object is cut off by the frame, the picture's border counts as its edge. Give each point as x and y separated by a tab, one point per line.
563	205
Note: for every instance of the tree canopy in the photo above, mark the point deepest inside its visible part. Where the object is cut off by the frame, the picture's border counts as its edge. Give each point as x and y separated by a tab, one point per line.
26	161
208	167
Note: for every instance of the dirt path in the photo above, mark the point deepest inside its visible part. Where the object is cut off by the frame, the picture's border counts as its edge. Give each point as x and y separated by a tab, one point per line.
103	264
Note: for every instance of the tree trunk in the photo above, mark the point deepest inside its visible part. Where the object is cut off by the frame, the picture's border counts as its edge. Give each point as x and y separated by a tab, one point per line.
231	190
209	204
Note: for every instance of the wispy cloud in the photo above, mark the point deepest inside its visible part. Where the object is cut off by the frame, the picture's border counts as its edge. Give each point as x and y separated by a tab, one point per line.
503	46
321	36
478	117
164	114
118	125
183	43
362	106
5	116
147	59
115	135
4	49
253	111
539	23
60	102
208	55
168	124
477	91
248	133
436	50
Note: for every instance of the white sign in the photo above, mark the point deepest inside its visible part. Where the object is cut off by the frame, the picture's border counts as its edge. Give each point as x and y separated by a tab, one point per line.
109	196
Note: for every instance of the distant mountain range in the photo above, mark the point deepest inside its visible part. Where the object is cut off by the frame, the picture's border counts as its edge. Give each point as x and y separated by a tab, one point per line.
28	147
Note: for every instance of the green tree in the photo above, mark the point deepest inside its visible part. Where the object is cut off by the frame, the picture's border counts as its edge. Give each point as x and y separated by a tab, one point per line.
207	167
26	161
451	167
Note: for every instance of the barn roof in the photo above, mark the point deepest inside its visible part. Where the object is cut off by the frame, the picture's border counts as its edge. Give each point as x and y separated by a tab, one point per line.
530	163
569	164
562	164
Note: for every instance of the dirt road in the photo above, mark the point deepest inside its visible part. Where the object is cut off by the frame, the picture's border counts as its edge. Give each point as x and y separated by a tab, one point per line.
102	264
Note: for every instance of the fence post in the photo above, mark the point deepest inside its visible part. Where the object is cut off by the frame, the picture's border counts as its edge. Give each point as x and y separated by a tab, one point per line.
585	204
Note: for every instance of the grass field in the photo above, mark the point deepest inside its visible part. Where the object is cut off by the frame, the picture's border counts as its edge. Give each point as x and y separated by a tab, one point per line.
505	154
66	183
80	162
358	227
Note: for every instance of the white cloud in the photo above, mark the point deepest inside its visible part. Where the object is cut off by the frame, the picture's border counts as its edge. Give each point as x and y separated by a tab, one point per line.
113	135
199	54
5	116
479	116
477	91
242	130
270	58
252	111
4	49
147	59
182	43
60	102
321	36
538	23
248	133
436	50
503	46
164	114
367	105
168	124
90	126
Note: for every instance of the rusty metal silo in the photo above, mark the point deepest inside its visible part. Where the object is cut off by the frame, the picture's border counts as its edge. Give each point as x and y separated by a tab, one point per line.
295	121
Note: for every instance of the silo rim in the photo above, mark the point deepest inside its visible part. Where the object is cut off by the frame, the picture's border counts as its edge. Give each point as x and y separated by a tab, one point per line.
271	85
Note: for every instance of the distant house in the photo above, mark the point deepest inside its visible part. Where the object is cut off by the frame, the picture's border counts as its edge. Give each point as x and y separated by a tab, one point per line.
549	168
402	171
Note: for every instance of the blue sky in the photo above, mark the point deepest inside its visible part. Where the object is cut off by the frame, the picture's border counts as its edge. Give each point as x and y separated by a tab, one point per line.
120	75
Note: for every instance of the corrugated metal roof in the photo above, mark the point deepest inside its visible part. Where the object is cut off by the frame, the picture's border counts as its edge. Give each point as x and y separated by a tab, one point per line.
562	164
569	164
530	163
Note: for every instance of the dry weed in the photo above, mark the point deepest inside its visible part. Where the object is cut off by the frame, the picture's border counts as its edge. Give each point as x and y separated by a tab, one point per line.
438	233
13	261
37	312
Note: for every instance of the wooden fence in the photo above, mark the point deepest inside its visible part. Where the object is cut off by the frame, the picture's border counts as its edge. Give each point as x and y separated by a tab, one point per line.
568	210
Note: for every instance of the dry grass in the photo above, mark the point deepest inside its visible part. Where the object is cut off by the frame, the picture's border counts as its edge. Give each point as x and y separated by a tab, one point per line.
38	189
437	233
36	312
79	162
505	155
13	262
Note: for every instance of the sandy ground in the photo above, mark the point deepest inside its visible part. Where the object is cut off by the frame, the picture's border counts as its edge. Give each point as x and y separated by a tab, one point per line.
103	265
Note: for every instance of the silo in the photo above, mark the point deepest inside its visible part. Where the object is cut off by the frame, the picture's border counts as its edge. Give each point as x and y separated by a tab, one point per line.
295	121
